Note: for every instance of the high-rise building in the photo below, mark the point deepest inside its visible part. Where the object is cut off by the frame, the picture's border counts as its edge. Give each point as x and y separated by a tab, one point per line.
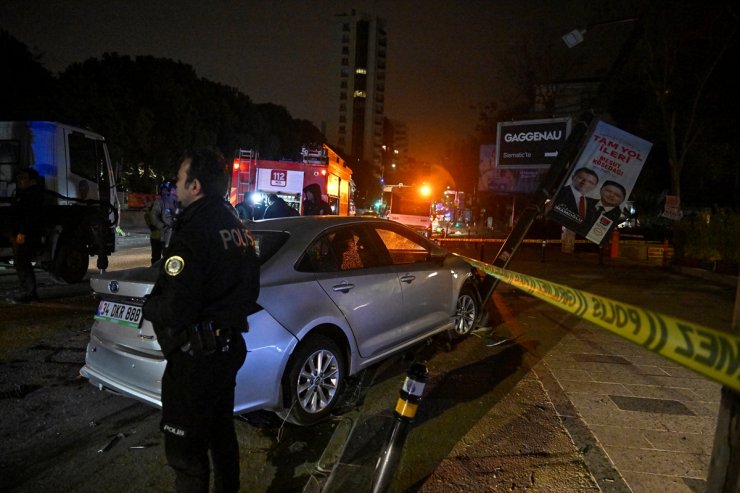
356	96
394	158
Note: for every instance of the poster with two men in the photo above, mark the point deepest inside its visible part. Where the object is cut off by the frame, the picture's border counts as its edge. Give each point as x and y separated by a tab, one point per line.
591	201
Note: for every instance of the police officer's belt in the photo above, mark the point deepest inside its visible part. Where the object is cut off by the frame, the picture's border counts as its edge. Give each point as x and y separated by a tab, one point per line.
206	338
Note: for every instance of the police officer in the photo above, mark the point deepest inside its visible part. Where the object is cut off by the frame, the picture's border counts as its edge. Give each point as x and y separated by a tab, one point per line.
208	283
27	216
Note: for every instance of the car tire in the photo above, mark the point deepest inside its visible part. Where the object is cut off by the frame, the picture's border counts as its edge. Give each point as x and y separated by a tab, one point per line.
71	262
313	380
467	311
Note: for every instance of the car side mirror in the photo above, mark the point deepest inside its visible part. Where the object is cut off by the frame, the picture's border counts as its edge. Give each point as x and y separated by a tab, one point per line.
437	256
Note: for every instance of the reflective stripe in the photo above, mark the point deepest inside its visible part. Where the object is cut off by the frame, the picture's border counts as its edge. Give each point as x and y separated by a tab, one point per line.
405	408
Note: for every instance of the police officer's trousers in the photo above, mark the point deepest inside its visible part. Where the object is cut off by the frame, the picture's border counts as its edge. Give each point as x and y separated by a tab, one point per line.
197	417
23	260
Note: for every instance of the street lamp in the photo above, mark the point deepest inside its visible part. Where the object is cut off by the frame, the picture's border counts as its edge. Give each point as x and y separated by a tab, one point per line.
575	37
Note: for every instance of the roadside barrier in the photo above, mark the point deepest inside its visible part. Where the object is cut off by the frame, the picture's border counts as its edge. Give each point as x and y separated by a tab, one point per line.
707	351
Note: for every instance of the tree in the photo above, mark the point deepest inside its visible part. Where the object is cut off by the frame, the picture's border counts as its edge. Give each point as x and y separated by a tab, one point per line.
151	109
26	87
688	46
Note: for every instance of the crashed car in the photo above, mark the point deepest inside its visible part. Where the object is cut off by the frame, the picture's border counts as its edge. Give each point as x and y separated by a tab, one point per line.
337	295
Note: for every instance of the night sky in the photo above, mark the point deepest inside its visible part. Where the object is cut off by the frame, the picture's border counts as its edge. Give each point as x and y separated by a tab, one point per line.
443	56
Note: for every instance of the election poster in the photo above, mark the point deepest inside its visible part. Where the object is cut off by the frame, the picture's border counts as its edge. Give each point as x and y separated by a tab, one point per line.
591	201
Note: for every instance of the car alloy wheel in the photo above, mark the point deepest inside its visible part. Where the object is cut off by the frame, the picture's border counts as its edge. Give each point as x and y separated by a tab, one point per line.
314	380
466	312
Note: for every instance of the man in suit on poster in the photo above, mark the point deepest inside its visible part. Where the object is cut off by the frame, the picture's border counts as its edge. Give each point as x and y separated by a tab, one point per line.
572	204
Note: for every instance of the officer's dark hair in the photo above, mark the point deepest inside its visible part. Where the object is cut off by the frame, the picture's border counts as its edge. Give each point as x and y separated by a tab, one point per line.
588	171
210	169
616	185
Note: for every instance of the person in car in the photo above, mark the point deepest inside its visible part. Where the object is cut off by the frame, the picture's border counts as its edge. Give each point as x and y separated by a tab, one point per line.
208	283
26	231
345	246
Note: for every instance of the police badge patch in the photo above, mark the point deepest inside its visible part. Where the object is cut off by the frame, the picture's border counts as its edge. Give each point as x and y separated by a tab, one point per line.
174	265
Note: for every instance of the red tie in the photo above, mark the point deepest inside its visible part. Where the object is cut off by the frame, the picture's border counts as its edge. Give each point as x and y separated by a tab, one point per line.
582	207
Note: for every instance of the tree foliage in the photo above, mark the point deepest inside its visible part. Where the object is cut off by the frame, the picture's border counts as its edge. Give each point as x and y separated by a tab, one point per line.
26	87
149	109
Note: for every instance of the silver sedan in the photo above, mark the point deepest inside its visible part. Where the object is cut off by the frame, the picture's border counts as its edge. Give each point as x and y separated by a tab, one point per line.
338	294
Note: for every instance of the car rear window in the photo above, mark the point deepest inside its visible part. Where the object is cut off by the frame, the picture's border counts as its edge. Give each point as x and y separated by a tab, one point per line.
267	243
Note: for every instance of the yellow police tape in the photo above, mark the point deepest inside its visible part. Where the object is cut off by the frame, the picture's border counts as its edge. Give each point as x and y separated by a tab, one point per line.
709	352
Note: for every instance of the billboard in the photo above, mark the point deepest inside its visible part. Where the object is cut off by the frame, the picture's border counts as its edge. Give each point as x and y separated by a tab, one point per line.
591	201
530	143
491	178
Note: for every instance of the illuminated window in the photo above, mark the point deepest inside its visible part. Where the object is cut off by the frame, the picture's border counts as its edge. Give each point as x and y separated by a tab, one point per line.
361	70
360	94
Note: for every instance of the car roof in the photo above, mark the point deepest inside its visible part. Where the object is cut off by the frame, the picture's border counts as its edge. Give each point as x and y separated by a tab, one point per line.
311	225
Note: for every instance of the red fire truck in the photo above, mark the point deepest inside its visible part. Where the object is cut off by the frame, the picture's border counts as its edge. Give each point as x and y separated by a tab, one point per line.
255	178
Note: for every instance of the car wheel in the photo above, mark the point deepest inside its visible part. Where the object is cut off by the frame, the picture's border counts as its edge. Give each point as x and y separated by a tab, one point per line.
467	311
313	381
71	262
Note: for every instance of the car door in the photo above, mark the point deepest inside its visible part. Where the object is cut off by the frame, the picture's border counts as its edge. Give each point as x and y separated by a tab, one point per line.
361	283
425	284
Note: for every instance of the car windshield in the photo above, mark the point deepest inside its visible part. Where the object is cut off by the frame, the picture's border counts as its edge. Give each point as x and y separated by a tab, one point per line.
267	243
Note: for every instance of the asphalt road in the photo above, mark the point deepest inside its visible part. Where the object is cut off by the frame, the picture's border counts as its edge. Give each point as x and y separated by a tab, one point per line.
59	433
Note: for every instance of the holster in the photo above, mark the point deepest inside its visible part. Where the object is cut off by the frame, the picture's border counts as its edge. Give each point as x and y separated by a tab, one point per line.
205	338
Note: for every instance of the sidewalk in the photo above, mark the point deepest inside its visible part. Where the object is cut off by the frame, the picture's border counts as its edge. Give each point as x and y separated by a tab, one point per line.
595	413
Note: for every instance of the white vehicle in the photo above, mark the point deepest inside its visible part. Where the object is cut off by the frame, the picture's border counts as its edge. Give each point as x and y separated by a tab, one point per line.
81	207
409	205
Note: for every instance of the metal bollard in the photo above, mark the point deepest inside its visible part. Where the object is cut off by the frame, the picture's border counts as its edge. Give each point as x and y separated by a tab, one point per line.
406	406
544	247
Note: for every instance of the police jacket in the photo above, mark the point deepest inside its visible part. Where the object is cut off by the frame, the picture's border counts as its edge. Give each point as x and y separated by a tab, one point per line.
209	273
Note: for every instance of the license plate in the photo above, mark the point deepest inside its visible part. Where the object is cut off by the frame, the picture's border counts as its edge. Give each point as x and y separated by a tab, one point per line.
119	313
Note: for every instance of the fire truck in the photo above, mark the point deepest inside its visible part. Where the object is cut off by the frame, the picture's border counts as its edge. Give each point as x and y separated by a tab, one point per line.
253	179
